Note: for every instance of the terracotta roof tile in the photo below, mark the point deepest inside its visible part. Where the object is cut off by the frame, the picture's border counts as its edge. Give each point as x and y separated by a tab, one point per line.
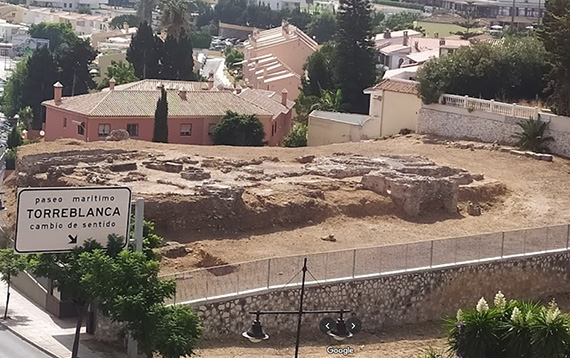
268	100
143	104
394	85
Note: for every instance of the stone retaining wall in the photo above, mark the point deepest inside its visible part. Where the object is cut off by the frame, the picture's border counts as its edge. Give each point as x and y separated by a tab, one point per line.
460	123
396	299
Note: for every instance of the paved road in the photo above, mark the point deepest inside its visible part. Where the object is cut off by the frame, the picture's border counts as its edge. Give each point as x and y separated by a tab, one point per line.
13	347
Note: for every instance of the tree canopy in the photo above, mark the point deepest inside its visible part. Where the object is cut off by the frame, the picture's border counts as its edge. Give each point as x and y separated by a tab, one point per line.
239	129
554	35
510	71
357	55
152	57
322	27
122	72
118	21
66	60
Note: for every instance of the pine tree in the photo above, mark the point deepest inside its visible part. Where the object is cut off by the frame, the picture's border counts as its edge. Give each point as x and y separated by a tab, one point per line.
356	53
144	52
554	35
161	119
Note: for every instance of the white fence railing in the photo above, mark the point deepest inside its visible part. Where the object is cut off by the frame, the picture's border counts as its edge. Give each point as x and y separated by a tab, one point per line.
270	274
475	104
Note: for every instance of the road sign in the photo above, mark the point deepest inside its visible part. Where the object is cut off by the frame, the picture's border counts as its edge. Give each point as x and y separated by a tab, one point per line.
59	219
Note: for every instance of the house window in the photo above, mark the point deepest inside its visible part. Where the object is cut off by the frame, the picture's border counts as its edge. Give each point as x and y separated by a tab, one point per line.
104	130
64	4
65	123
81	128
211	128
185	130
133	130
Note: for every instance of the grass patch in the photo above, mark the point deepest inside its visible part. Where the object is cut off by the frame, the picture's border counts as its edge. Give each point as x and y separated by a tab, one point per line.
443	29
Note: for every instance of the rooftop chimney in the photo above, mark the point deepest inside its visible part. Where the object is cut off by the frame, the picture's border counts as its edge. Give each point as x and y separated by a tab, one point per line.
57	89
211	80
182	93
112	83
284	93
406	38
285	27
387	34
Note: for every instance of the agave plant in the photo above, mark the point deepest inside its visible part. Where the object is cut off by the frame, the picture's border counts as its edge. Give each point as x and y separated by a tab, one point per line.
532	135
550	336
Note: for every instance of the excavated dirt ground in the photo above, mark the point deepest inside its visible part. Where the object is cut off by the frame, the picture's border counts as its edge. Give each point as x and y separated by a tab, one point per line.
284	213
290	215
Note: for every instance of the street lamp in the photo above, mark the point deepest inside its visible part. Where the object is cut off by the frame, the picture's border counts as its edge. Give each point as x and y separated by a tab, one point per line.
340	331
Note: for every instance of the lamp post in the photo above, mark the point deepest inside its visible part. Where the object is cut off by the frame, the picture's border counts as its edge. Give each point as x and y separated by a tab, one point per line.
340	331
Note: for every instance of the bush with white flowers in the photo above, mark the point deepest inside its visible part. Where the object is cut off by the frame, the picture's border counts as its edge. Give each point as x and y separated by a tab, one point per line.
513	329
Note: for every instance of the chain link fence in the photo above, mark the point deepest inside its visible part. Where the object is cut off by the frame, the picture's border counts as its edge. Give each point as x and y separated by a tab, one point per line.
275	273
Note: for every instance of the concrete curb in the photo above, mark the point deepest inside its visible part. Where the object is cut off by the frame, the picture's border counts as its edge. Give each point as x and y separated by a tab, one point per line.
27	340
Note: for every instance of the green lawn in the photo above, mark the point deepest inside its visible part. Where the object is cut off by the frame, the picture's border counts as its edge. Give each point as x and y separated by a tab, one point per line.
442	29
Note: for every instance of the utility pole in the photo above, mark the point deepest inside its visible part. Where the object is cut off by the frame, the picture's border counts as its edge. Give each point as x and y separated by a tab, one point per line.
132	347
513	13
300	309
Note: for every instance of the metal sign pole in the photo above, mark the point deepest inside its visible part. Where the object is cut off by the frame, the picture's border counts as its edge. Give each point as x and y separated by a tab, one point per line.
132	348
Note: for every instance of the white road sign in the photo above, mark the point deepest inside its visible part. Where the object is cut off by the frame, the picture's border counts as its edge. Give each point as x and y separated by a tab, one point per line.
59	219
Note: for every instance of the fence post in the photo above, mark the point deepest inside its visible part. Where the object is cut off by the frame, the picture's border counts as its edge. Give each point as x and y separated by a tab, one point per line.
503	245
466	102
492	106
567	236
440	100
431	255
536	113
268	272
513	109
353	262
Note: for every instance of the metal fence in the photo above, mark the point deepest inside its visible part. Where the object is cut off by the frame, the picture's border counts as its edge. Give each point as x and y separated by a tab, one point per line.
274	273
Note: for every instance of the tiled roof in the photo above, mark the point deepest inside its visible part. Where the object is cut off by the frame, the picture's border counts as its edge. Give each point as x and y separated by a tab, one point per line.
150	85
396	85
267	100
143	104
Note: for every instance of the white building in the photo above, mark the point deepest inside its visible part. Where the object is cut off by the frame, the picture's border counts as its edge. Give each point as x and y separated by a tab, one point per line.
82	24
66	4
8	31
280	4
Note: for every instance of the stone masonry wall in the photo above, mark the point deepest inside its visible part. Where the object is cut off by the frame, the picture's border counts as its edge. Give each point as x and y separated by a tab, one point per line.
459	123
396	299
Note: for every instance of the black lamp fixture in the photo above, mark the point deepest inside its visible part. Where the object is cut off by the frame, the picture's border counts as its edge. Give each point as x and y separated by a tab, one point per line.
255	333
340	331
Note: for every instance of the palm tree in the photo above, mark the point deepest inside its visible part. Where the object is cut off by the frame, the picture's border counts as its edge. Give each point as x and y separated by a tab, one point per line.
175	16
144	10
330	101
532	137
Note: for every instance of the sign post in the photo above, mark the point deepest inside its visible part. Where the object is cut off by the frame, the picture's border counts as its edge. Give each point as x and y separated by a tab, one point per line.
60	219
132	346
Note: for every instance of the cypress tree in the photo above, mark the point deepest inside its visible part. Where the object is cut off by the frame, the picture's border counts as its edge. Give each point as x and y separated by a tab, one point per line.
357	56
160	134
144	52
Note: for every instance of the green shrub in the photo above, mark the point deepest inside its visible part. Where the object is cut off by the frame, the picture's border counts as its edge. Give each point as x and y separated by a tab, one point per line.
297	137
532	135
517	329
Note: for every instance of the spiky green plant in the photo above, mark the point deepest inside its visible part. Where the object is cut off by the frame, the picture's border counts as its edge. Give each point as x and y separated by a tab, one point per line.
532	136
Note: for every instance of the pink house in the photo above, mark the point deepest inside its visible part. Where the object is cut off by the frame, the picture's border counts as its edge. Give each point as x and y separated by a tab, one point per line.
274	58
192	115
